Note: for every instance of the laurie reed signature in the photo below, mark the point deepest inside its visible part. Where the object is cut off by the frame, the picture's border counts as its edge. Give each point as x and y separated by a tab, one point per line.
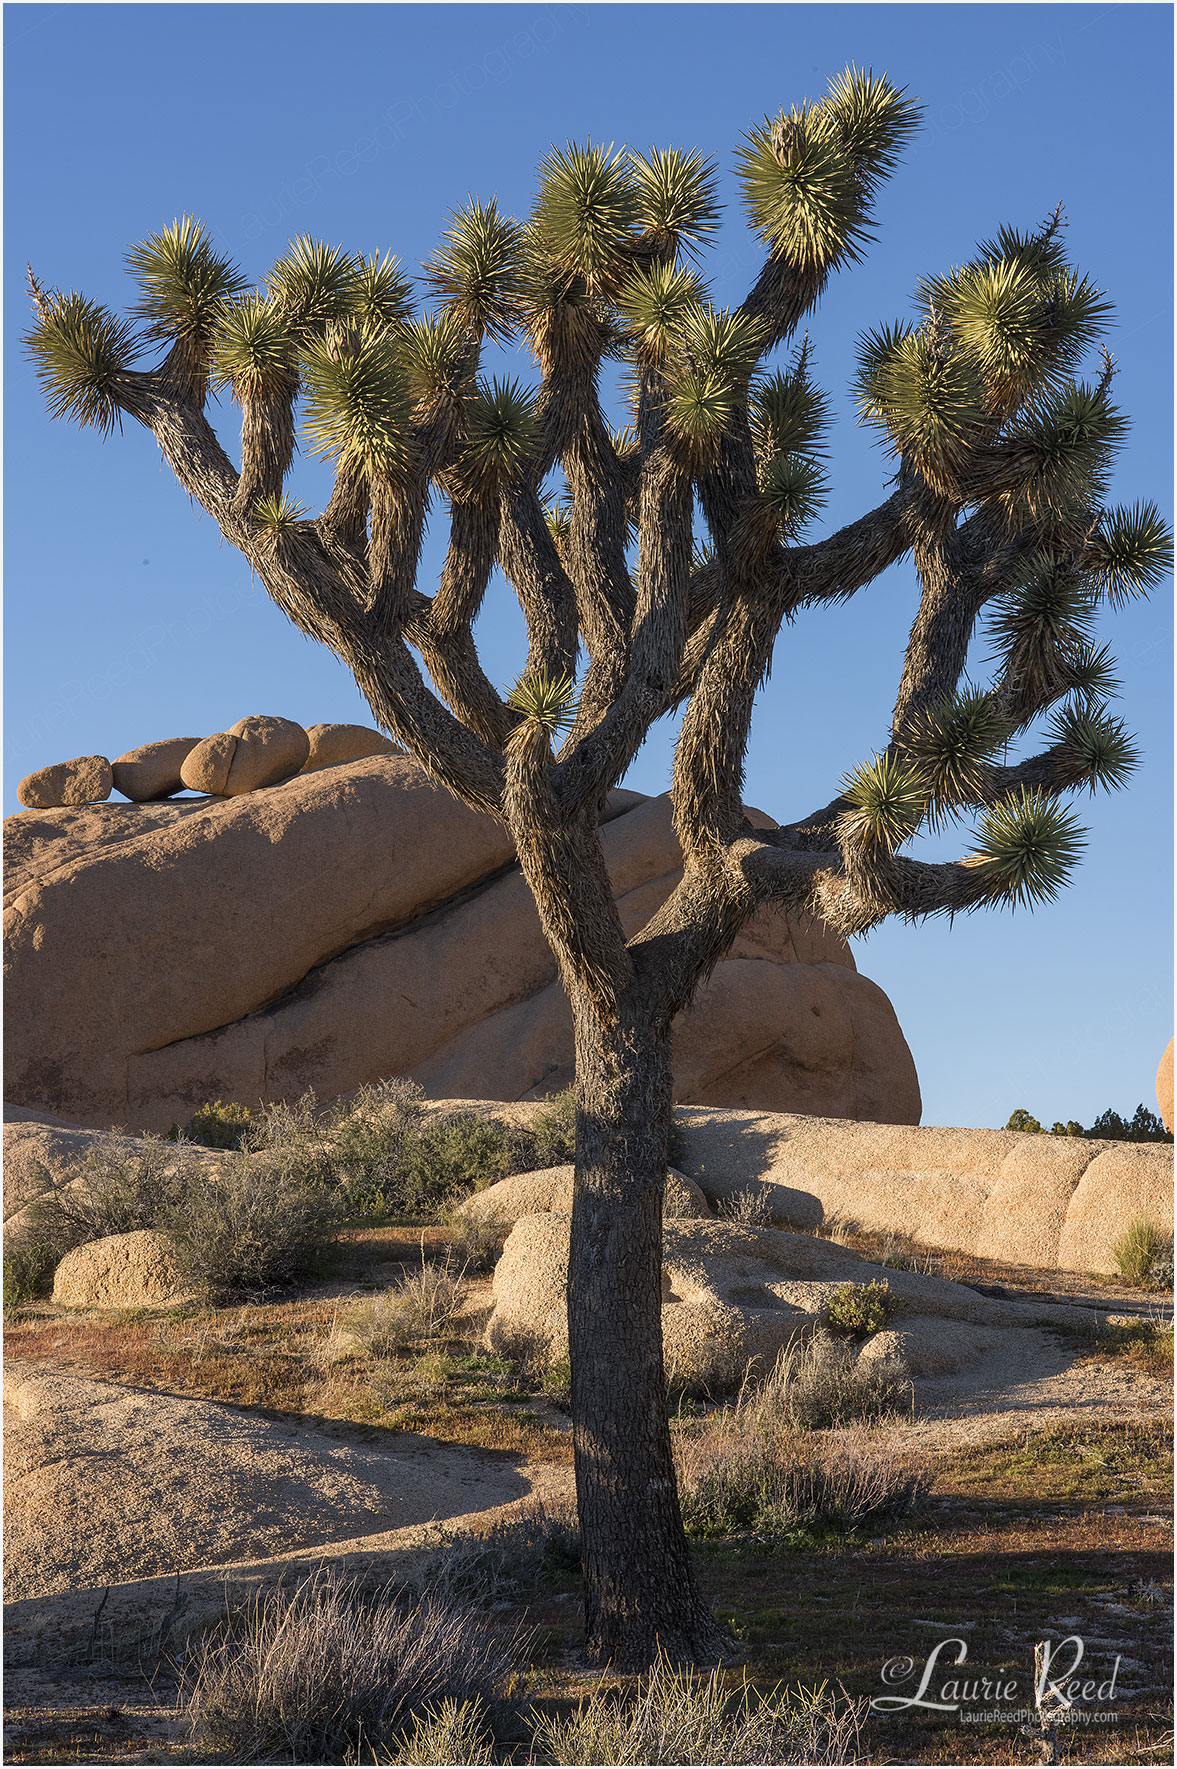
1049	1687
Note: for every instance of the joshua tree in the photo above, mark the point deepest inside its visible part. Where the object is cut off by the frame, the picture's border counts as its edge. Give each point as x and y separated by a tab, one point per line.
998	492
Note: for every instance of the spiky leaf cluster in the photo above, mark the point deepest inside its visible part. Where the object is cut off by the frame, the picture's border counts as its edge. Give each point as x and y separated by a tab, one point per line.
675	200
558	516
1043	631
546	701
435	350
476	270
887	800
80	353
314	283
184	284
1058	457
950	745
789	414
380	295
655	305
502	433
358	402
255	348
801	190
926	397
277	515
792	491
1132	552
1095	750
1027	847
585	214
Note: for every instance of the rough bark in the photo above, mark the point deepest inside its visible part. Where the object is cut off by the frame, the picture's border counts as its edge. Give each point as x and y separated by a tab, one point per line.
640	1588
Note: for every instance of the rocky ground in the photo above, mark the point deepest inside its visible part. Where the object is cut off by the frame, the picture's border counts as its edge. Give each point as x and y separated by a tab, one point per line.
162	1464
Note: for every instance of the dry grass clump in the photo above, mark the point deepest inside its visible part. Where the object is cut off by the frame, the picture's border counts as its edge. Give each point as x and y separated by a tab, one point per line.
676	1716
822	1381
451	1732
477	1242
325	1673
1144	1254
750	1208
508	1563
423	1304
733	1480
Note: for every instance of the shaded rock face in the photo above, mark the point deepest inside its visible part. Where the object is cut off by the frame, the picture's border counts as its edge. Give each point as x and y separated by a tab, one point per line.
357	922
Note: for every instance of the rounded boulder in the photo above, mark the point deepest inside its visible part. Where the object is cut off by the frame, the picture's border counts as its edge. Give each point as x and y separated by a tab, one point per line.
84	780
153	770
135	1270
331	745
1165	1086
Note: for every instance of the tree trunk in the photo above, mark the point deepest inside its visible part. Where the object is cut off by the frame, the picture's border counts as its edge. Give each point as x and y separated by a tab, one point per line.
640	1590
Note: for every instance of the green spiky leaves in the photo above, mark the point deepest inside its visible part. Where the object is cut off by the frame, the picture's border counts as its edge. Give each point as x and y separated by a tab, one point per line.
585	214
792	491
502	433
1132	552
184	284
547	702
476	270
789	414
655	305
1093	749
887	800
255	349
675	200
436	354
358	402
1056	460
1043	630
808	179
314	283
379	294
925	397
558	516
700	405
1028	847
80	354
277	516
950	745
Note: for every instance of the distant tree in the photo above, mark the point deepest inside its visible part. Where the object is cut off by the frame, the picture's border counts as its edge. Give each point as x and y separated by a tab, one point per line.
1021	1120
1001	457
1145	1126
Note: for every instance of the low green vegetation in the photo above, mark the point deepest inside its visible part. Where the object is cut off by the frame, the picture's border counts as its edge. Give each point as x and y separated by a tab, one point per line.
1144	1254
858	1310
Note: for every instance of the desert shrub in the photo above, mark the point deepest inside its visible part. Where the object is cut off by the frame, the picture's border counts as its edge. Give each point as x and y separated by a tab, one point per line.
477	1242
508	1563
112	1190
751	1208
1145	1249
323	1672
451	1732
395	1162
421	1305
287	1124
253	1222
821	1382
550	1138
219	1124
29	1264
732	1479
858	1310
677	1716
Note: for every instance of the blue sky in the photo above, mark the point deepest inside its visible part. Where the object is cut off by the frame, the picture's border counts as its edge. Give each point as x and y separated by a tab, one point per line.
128	619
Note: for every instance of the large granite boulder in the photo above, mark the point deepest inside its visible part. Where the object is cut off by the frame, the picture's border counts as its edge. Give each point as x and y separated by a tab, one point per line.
79	781
1001	1194
1165	1086
133	1270
358	922
732	1296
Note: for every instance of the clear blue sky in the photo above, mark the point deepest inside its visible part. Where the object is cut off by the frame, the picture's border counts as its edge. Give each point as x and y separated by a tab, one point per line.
128	619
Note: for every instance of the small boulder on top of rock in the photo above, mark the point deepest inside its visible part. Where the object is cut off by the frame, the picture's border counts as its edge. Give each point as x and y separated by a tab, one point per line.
153	770
85	780
257	751
135	1270
333	744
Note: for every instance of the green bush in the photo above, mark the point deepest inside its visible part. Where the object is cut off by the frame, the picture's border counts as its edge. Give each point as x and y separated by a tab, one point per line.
1144	1254
254	1222
858	1310
550	1138
219	1124
29	1264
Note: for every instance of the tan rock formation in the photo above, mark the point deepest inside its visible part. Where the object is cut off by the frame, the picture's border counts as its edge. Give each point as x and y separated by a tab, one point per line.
257	751
153	770
731	1295
358	922
1165	1087
550	1188
333	744
1033	1200
82	781
135	1270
